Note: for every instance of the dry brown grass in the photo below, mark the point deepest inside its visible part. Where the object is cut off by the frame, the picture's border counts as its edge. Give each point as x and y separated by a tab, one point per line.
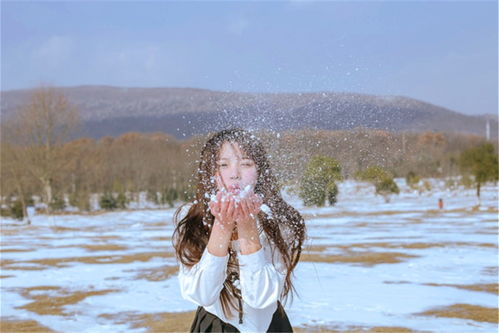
491	270
423	245
317	248
63	262
353	214
103	237
64	229
363	258
353	329
11	231
94	212
50	304
160	238
492	288
20	326
13	267
15	250
102	247
154	322
465	311
181	322
154	274
428	213
396	245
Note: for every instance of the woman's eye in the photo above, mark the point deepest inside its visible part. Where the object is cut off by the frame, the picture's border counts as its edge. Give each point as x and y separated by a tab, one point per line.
248	164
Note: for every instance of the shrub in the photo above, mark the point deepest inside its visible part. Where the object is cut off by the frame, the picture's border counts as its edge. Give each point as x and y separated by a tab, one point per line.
412	179
482	163
57	203
81	200
387	186
372	174
332	193
383	182
16	210
108	202
168	196
121	201
152	196
319	181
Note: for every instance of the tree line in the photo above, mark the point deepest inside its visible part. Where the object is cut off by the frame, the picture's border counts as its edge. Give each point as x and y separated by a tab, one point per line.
41	158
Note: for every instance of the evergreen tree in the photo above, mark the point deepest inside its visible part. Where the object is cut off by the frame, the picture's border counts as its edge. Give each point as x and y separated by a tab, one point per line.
380	178
481	162
319	181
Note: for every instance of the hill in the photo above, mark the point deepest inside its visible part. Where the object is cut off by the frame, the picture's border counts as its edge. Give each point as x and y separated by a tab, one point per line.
184	112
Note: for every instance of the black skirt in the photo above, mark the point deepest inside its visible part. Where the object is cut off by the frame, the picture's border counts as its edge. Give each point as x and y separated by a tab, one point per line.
205	321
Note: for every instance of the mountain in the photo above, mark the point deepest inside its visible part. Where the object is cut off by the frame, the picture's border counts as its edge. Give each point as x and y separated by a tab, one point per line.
184	112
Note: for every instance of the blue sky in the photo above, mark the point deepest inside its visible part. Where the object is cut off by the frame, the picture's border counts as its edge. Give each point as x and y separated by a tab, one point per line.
442	52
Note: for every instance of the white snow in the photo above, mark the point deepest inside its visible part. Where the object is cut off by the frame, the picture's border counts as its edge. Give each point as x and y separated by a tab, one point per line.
338	294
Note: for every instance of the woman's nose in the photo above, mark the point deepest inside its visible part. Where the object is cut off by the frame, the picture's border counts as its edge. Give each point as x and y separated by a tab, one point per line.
235	173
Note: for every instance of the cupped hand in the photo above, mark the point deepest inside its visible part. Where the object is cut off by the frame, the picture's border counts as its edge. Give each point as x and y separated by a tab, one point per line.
224	210
248	208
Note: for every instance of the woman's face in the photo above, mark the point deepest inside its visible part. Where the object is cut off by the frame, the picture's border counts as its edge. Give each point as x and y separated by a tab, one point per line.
236	168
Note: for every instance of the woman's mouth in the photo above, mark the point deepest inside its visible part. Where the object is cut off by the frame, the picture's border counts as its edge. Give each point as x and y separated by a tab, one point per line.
234	188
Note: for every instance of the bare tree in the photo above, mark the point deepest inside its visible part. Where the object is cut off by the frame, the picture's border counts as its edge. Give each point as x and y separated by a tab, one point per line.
38	130
14	178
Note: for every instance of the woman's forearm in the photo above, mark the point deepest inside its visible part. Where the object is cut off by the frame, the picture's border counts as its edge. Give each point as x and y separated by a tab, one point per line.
249	241
219	241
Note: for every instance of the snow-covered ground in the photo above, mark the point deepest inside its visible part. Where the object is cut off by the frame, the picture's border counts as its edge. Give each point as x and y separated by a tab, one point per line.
119	262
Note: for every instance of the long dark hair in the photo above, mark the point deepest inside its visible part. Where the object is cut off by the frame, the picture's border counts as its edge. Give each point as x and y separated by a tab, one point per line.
284	227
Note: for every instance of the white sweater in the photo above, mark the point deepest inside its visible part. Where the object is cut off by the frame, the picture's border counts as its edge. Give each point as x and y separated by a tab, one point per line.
261	283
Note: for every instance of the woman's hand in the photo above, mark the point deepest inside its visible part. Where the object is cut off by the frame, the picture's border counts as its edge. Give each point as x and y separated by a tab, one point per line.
248	209
223	207
224	210
247	230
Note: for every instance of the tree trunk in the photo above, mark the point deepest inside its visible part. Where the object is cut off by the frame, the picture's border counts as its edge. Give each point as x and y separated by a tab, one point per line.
47	188
23	201
25	210
478	192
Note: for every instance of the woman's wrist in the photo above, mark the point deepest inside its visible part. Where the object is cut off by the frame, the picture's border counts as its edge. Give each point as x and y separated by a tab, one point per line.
220	236
249	246
224	227
249	240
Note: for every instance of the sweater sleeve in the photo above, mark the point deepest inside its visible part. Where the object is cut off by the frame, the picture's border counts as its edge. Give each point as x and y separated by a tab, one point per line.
203	282
262	281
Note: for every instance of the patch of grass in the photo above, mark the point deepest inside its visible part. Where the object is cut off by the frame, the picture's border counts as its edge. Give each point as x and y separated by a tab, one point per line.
161	238
154	322
114	259
11	265
492	288
363	258
20	326
491	270
317	248
353	329
103	247
154	274
465	311
48	304
16	250
418	245
392	245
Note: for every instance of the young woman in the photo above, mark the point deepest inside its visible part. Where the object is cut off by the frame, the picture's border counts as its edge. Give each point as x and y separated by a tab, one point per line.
239	241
